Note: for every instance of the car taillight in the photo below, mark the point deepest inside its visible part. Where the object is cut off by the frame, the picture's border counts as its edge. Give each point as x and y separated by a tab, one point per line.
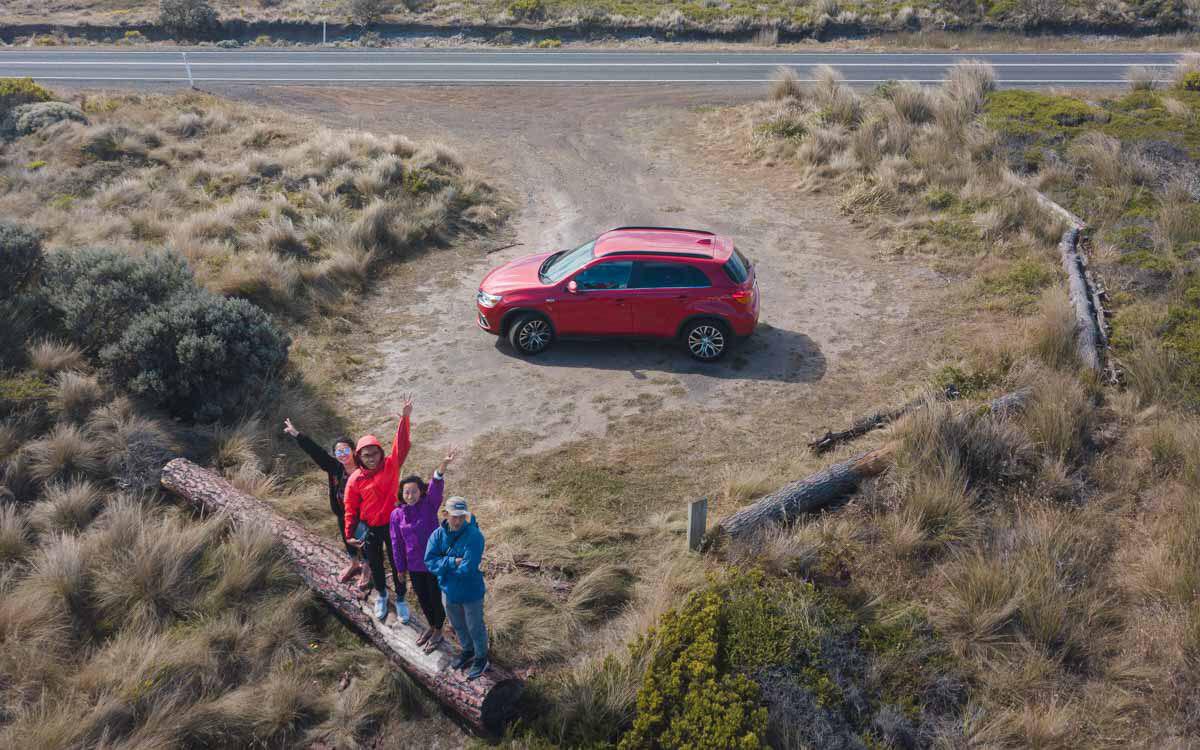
743	296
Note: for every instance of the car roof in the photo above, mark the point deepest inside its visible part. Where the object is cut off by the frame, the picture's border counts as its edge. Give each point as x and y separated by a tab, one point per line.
668	241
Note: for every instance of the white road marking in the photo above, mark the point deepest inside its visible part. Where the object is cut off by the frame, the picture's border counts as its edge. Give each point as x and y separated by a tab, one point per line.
1111	81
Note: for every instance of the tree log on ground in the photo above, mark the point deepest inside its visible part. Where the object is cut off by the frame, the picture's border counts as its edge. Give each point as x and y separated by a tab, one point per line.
1089	339
485	704
863	425
827	486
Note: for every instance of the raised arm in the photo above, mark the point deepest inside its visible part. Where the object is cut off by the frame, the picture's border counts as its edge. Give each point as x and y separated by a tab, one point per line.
328	463
403	441
437	484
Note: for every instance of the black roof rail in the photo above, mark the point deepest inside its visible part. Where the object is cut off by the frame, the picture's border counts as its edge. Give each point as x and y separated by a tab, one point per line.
668	229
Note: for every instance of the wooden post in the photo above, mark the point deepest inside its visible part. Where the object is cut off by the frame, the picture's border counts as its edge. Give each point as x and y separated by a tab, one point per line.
486	704
697	522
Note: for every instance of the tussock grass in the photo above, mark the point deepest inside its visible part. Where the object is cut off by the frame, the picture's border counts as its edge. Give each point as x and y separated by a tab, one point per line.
1052	331
67	452
1141	78
76	395
785	84
66	507
602	592
1059	417
51	357
156	579
14	535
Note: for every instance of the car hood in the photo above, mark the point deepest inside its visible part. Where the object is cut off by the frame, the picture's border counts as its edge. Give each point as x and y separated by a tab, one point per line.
521	273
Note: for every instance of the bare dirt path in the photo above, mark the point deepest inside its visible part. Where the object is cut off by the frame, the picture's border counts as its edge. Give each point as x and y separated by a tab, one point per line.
582	160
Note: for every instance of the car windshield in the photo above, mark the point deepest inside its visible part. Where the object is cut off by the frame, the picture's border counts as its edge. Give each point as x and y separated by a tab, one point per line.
564	263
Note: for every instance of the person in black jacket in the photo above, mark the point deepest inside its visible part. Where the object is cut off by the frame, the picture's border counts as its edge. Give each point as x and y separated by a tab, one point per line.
338	469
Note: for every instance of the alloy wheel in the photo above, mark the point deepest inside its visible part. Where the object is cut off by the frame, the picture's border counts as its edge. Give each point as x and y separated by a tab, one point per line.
534	336
706	342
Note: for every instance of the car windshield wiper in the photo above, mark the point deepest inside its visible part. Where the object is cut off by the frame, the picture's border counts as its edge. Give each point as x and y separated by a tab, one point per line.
546	263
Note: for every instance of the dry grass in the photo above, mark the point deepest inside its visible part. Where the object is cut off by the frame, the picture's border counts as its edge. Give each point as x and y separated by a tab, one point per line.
1142	78
76	395
785	84
262	221
67	452
52	357
67	508
14	535
1052	332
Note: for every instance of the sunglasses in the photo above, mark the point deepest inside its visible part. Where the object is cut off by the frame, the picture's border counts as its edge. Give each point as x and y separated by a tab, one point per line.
341	452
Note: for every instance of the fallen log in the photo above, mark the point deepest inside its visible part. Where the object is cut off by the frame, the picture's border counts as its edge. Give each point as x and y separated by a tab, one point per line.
485	704
863	425
1089	337
829	485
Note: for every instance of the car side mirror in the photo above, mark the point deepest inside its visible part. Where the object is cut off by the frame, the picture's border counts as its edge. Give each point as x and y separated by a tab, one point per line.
572	287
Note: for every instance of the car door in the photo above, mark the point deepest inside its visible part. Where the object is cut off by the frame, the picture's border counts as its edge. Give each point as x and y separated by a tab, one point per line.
662	294
599	304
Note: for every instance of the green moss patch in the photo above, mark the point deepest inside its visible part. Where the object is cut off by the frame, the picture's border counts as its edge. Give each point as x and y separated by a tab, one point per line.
1036	115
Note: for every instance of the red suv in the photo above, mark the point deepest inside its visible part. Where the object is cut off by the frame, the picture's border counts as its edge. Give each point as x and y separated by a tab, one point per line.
645	282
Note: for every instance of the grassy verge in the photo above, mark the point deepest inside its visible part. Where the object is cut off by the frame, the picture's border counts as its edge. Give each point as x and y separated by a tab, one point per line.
764	22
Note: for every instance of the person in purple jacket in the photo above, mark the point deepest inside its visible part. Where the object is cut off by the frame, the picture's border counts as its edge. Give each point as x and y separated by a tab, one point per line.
413	520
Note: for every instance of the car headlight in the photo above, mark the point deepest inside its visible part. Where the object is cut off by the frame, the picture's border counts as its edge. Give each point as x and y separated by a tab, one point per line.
488	300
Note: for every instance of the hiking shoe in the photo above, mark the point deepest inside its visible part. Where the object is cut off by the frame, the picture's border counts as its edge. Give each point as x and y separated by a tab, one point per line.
349	572
381	607
465	658
403	612
481	665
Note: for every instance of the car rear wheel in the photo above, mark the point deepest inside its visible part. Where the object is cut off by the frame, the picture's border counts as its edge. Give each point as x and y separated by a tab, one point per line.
530	334
706	340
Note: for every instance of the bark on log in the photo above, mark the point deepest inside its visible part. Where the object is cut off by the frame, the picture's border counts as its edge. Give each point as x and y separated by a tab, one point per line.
827	486
1089	337
485	704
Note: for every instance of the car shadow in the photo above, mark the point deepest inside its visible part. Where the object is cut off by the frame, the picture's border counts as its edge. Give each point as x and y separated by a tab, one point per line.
771	354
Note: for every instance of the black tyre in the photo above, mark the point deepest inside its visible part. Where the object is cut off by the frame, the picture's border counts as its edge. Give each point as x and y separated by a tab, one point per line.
530	334
706	340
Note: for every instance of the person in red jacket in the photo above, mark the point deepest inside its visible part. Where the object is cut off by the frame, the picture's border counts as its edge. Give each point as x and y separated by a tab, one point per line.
369	498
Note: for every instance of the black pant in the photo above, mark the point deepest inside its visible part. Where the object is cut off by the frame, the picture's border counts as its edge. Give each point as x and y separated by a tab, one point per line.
378	543
430	597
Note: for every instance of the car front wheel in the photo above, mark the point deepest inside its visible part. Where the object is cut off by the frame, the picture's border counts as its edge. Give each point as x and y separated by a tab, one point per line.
530	334
706	340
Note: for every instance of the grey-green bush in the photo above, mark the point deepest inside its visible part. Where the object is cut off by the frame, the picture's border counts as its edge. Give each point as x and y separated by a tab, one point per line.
97	293
187	19
30	118
200	356
21	262
20	258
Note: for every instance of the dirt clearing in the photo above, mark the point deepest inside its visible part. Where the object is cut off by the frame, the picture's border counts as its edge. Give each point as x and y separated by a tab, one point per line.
580	161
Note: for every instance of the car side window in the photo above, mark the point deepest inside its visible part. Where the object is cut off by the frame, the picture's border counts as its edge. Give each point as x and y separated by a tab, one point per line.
669	275
610	275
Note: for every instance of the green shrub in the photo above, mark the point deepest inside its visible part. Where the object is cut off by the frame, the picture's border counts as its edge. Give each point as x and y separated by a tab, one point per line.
1043	116
30	118
187	19
200	356
20	258
97	293
21	261
527	10
366	12
17	91
1189	81
549	43
688	698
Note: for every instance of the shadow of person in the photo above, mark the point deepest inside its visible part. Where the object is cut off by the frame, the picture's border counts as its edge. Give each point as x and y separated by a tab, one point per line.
771	354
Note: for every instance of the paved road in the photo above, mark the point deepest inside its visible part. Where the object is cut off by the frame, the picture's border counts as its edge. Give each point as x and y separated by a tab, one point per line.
412	66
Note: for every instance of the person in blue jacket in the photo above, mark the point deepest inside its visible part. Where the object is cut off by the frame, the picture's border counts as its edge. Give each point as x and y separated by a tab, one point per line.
453	554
